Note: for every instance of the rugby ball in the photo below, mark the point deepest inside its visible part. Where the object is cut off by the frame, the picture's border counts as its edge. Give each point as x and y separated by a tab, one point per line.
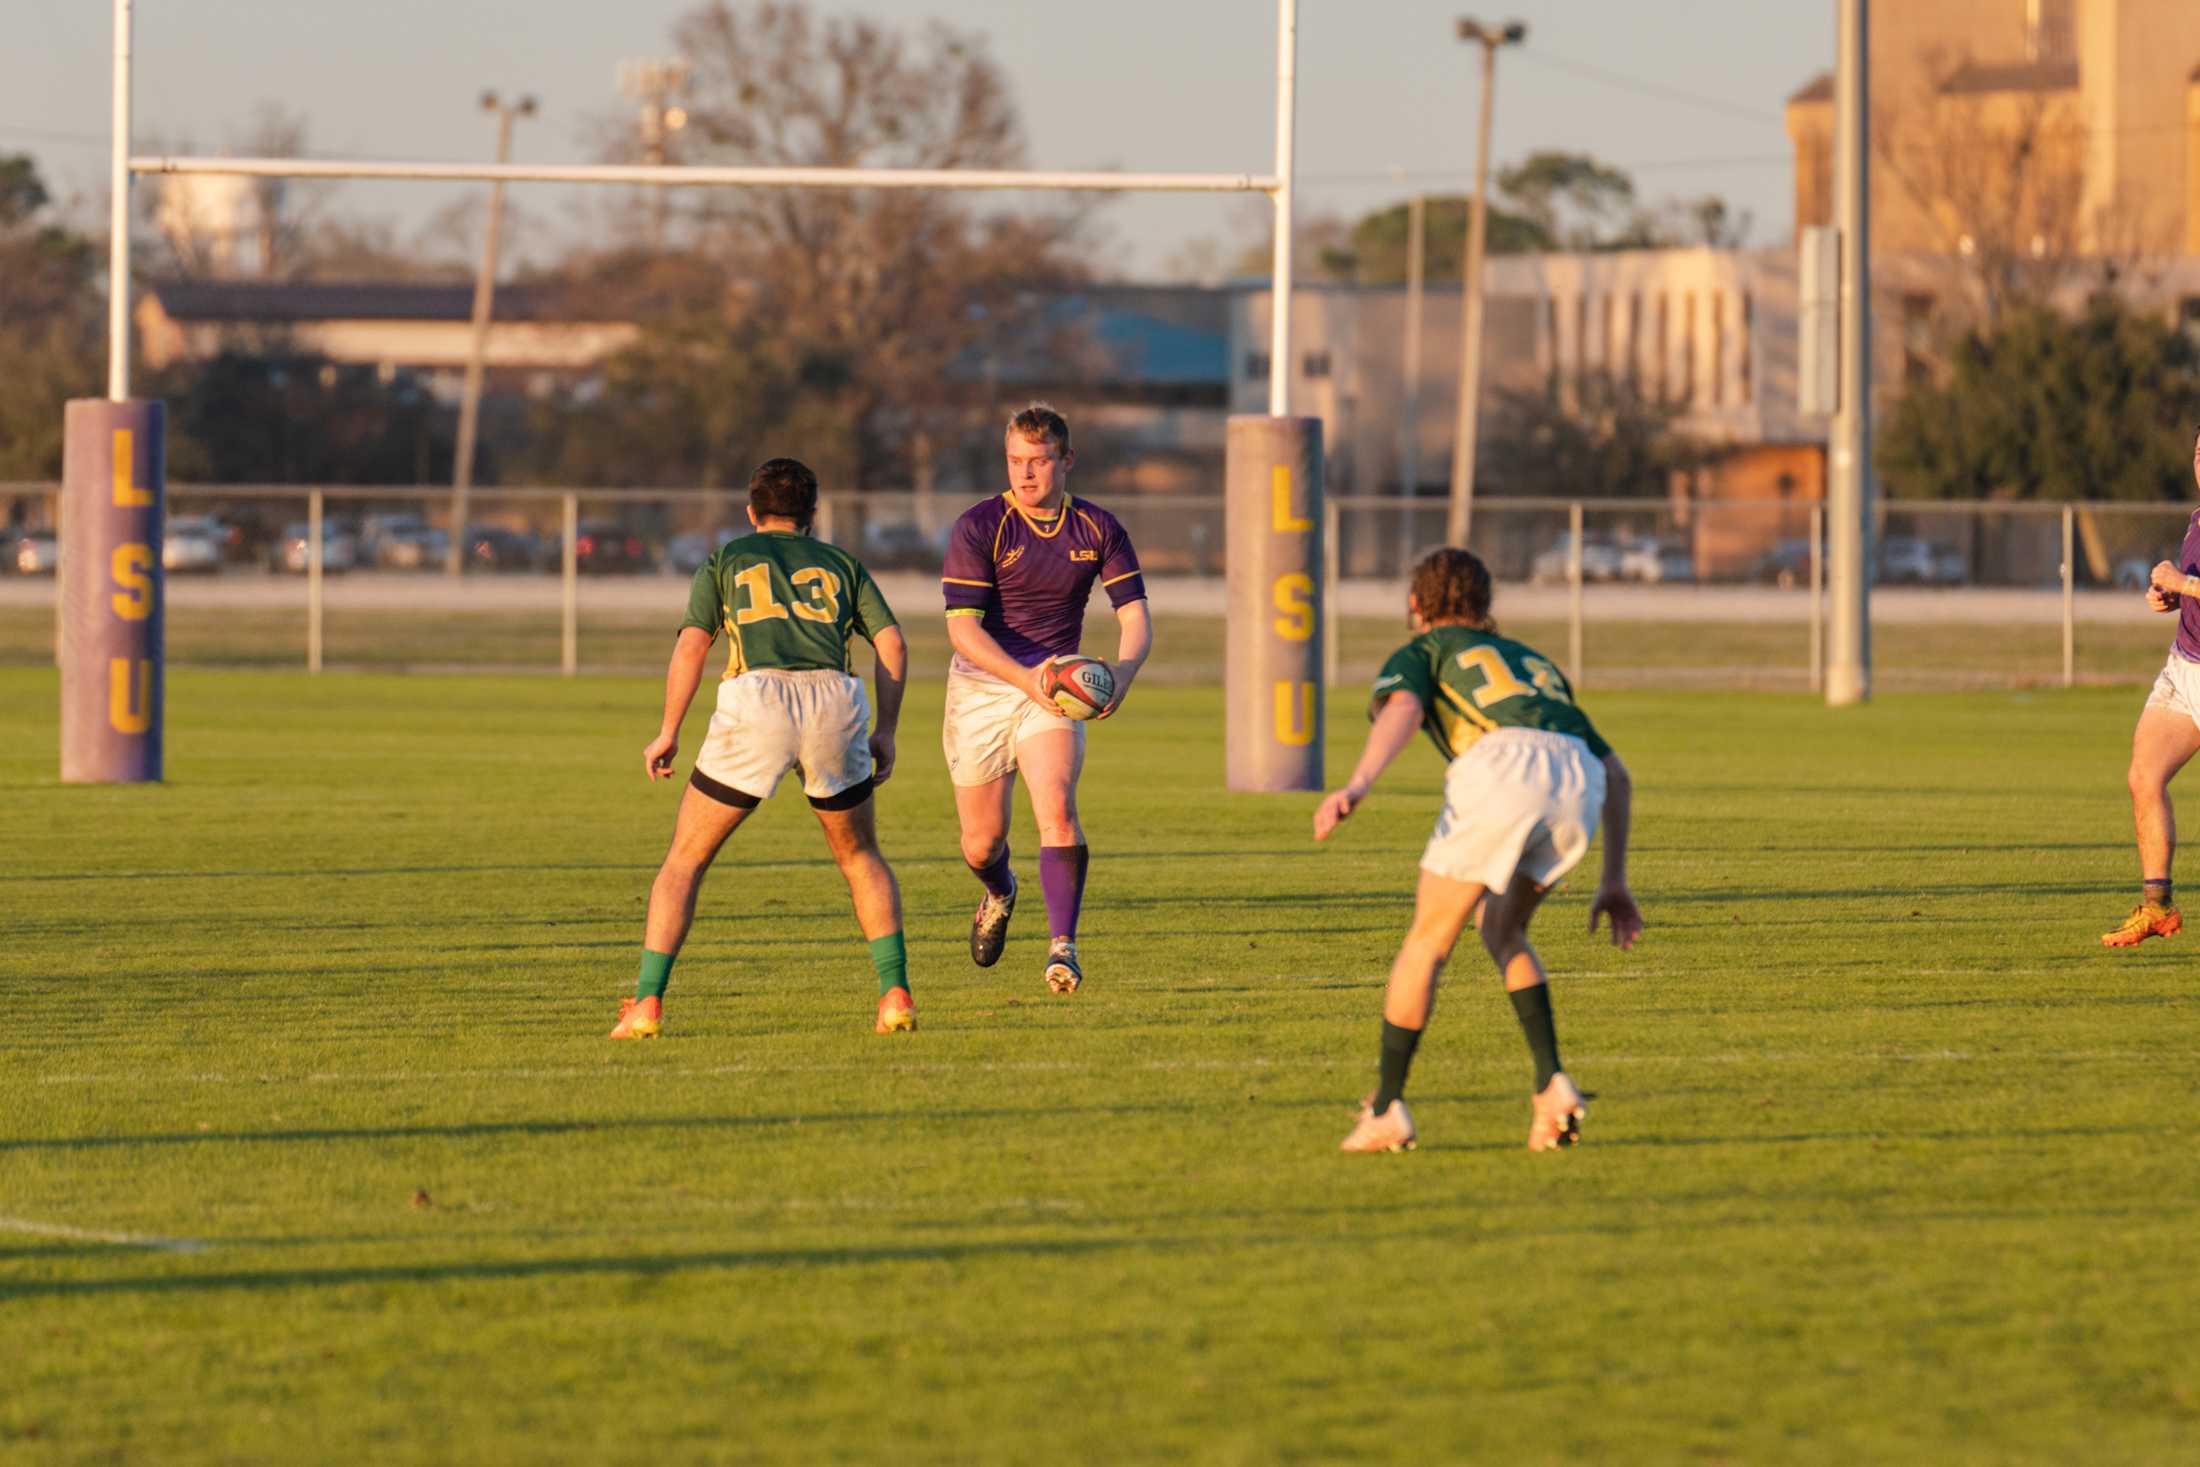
1080	686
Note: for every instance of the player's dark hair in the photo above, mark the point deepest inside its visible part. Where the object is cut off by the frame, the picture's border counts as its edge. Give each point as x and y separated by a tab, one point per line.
1453	586
1040	420
786	489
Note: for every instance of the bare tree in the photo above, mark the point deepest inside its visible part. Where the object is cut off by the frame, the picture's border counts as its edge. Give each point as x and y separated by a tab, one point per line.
2000	177
878	292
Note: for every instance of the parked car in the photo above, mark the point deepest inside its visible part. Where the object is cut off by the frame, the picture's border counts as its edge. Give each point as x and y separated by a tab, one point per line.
1599	559
1907	560
37	553
401	542
193	544
1786	565
494	548
686	553
406	542
291	551
605	548
1655	562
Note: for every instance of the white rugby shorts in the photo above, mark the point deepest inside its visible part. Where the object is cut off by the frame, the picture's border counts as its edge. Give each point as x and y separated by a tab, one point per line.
770	720
987	719
1518	800
2178	687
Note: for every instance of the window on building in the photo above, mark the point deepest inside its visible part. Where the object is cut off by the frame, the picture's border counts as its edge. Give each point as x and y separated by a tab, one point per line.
1749	338
1687	383
2050	30
1662	363
1256	366
1917	336
1634	341
1718	348
1315	364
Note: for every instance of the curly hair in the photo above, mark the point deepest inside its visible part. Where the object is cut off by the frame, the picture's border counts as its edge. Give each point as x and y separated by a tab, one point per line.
784	488
1453	585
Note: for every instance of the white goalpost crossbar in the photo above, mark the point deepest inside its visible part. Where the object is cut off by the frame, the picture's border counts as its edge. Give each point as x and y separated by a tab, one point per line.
1277	185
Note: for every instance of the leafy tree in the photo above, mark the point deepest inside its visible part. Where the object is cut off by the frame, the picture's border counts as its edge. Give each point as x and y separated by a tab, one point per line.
50	324
242	419
1596	436
2051	407
1572	198
1380	240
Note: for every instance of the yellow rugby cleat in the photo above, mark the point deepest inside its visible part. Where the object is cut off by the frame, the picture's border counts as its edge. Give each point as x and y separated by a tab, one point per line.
639	1018
2148	919
897	1012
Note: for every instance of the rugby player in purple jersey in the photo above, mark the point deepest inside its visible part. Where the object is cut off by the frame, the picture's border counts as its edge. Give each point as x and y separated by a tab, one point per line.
1019	570
2167	737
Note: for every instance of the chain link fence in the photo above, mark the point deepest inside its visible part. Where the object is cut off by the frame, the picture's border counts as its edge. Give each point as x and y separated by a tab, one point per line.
1705	593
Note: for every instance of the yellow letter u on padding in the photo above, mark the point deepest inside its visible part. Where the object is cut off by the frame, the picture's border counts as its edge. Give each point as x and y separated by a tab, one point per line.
130	694
1295	714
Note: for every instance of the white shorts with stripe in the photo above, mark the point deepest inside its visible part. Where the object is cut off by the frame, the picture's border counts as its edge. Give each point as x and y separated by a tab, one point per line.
987	719
1518	800
2177	688
770	720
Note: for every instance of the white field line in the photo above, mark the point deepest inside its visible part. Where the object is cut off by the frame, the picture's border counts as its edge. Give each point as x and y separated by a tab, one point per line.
690	1072
92	1235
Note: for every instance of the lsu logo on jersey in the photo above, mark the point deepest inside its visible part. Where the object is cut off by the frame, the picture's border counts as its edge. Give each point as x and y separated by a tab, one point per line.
1084	555
1012	557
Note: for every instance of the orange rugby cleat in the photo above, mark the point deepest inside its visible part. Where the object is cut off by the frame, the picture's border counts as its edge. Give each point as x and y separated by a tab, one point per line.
639	1018
897	1012
2148	919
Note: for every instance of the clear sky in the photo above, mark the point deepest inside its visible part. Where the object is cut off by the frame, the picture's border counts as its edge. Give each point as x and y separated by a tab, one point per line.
1686	93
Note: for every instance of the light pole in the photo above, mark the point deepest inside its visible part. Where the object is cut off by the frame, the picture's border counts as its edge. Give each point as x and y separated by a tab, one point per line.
485	285
656	85
1409	446
1460	520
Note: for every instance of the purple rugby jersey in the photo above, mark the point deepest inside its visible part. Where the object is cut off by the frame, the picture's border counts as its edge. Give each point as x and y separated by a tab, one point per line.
2188	609
1032	578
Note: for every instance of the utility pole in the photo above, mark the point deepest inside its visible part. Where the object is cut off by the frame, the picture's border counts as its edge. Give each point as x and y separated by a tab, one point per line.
1461	518
485	285
1409	446
656	86
1849	457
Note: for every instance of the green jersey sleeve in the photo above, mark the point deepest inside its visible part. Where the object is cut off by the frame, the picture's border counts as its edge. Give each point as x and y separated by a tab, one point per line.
705	611
873	615
1407	671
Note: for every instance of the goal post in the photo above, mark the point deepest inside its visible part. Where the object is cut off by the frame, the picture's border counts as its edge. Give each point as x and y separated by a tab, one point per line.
1277	184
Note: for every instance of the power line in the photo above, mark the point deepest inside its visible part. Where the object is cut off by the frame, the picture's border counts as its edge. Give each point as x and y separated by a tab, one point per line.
1627	83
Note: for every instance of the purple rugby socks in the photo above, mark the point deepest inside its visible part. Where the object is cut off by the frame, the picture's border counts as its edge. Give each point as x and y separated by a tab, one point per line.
995	877
1062	878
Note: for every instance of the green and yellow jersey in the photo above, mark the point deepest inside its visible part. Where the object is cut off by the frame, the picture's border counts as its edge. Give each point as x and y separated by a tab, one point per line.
786	600
1471	682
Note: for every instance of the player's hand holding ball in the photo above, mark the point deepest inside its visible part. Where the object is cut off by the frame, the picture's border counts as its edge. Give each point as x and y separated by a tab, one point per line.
1078	687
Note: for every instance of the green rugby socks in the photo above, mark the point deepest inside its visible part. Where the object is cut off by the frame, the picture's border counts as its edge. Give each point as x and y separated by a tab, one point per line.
1533	1005
1398	1047
891	958
656	973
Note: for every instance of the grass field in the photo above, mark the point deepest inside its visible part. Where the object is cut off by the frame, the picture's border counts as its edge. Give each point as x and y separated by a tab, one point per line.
310	1147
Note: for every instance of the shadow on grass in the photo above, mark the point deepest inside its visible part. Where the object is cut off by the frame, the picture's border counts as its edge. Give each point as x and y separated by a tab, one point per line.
623	1125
